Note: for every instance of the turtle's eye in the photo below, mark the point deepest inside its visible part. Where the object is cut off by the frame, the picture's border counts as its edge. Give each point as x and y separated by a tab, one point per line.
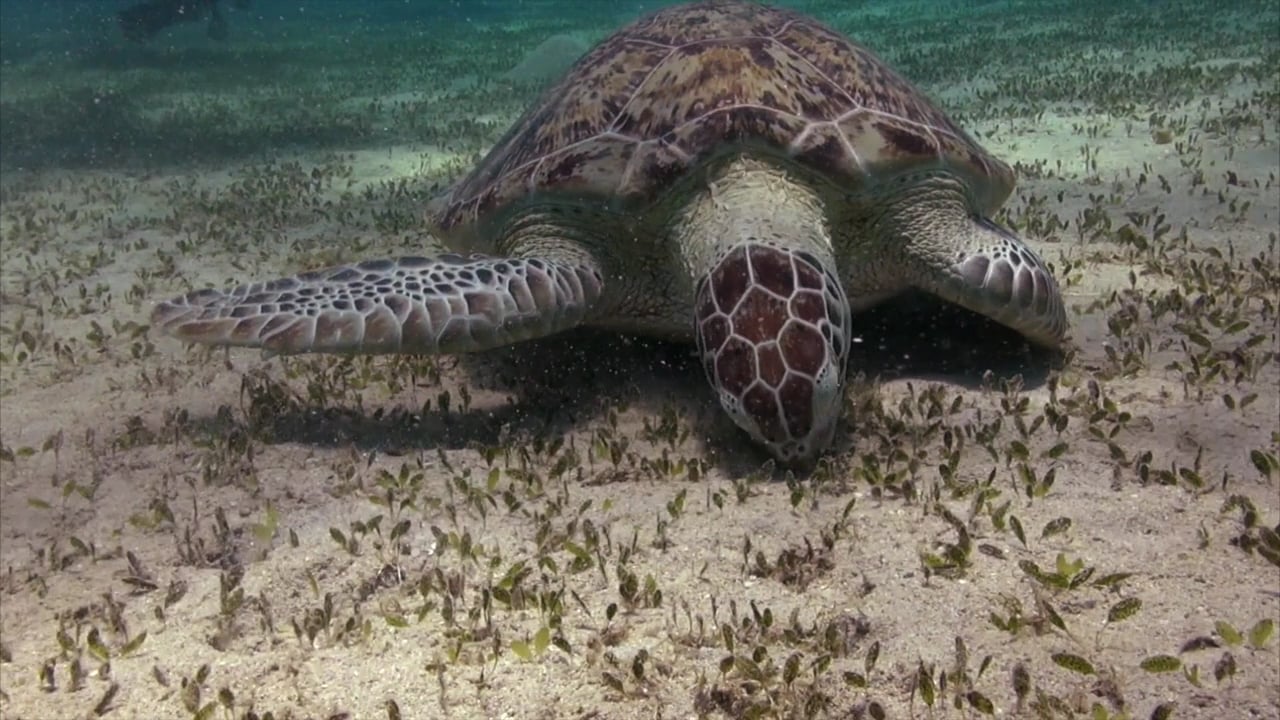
772	331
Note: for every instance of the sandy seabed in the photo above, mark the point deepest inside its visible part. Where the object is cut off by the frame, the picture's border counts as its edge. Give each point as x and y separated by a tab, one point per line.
571	528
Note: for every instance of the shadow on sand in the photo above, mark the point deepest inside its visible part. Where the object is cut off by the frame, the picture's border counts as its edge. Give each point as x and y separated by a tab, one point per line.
559	384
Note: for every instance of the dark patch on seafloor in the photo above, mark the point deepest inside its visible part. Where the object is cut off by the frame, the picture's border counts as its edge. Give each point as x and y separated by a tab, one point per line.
916	335
560	384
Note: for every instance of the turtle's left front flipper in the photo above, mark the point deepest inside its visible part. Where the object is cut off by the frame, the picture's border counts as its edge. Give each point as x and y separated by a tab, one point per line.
445	304
936	242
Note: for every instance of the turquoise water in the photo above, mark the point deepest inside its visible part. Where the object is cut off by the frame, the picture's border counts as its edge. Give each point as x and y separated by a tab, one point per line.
79	92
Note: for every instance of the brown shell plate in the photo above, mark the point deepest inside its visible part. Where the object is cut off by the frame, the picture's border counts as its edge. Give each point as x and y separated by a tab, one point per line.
665	93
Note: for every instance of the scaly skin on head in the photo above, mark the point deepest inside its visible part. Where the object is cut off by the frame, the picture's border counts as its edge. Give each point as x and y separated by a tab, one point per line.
773	335
771	318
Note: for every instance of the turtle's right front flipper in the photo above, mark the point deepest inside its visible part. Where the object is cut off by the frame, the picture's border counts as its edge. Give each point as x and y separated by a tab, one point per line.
445	304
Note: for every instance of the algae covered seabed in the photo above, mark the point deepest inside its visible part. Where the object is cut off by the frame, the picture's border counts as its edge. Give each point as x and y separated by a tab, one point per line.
571	528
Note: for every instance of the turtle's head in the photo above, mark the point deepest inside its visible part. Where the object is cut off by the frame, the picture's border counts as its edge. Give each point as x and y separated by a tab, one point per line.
772	326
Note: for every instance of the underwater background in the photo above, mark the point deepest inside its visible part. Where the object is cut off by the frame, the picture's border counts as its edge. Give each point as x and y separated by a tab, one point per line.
571	528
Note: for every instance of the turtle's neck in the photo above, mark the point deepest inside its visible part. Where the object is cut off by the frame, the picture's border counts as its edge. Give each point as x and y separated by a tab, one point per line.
751	201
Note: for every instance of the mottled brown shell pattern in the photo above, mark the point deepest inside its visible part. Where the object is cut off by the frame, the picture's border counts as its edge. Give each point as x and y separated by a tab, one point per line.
664	94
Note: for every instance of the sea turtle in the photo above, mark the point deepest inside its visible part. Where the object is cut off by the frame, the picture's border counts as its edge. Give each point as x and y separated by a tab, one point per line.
730	174
144	20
